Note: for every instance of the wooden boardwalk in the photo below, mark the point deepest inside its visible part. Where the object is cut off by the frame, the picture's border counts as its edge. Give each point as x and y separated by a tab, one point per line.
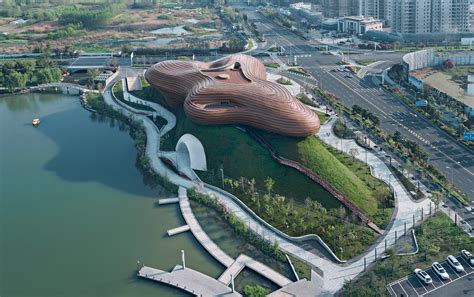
188	280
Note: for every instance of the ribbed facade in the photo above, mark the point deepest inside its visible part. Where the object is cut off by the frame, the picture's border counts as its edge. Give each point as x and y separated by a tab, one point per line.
232	90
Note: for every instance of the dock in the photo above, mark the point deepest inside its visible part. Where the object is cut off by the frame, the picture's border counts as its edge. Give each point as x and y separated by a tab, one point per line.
168	201
188	280
245	261
178	230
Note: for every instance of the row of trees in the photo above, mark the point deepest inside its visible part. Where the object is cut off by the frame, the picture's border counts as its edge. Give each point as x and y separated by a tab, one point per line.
366	115
342	232
23	72
412	147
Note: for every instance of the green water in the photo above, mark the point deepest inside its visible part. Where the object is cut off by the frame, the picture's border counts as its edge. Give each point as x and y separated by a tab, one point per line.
75	213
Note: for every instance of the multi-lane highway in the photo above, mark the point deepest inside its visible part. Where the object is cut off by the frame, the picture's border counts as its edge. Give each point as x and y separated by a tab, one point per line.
450	157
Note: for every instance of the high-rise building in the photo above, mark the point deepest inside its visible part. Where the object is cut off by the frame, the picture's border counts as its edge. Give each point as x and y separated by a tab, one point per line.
427	16
339	8
372	8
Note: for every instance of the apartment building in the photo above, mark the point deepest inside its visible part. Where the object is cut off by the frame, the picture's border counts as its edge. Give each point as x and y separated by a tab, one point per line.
427	16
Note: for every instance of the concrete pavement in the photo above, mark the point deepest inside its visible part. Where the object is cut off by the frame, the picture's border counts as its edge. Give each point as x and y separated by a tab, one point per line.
334	274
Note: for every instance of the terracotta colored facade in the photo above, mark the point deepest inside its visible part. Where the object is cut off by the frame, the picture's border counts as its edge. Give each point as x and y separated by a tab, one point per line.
232	90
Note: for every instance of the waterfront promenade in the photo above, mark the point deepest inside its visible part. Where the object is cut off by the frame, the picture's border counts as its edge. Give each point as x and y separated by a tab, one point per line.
188	280
333	274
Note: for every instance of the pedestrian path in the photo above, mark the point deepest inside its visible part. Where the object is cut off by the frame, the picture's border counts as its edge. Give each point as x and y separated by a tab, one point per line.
334	274
243	261
188	280
201	236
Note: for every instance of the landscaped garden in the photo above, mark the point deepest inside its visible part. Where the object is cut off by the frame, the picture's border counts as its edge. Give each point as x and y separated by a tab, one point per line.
282	196
437	238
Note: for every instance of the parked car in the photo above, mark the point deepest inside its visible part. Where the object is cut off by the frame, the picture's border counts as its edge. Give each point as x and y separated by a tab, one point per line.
468	257
348	76
423	276
455	263
440	271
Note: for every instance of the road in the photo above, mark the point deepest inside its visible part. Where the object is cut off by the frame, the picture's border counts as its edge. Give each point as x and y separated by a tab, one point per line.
449	156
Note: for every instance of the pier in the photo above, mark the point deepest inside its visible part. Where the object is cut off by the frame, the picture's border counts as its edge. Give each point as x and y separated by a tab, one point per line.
245	261
178	230
188	280
168	201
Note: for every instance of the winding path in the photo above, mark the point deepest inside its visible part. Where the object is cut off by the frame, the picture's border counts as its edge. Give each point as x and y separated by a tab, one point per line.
334	274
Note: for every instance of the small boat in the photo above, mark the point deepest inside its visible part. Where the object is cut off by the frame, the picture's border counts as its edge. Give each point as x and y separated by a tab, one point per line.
35	122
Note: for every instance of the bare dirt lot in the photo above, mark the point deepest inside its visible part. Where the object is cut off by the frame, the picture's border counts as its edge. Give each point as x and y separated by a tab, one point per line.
127	28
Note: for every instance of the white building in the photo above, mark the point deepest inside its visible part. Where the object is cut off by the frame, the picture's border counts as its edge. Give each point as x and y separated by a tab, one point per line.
358	25
427	16
301	5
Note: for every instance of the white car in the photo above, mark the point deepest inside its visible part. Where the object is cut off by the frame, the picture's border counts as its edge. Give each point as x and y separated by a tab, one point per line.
455	263
423	276
468	257
440	271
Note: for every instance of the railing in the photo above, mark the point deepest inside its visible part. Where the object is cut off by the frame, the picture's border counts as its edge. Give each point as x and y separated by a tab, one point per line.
316	178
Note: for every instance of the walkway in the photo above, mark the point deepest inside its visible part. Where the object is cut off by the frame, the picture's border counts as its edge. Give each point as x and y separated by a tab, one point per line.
188	280
334	274
63	85
233	266
201	236
243	261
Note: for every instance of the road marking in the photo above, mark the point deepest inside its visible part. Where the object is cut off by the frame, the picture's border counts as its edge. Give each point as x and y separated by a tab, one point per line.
403	289
465	261
392	291
437	276
403	126
467	274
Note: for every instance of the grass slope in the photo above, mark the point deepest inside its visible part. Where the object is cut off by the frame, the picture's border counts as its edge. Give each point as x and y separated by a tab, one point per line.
350	177
239	155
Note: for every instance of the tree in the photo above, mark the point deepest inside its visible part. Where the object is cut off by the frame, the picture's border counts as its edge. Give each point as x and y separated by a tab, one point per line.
269	183
244	16
92	73
15	80
437	198
353	152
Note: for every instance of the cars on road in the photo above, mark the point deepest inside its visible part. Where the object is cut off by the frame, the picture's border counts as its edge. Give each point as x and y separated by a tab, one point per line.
440	271
423	276
455	263
468	257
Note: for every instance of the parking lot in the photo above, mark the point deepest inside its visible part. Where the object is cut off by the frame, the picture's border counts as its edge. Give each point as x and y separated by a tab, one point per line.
461	282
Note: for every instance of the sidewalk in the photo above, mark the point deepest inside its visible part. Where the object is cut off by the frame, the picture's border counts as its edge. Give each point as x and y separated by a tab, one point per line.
334	275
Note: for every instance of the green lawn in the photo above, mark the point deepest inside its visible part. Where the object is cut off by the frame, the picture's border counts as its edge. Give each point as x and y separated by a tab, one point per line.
437	238
272	65
366	62
284	81
349	176
240	155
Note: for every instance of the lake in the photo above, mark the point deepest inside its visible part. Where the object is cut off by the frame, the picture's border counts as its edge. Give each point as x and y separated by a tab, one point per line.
75	212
